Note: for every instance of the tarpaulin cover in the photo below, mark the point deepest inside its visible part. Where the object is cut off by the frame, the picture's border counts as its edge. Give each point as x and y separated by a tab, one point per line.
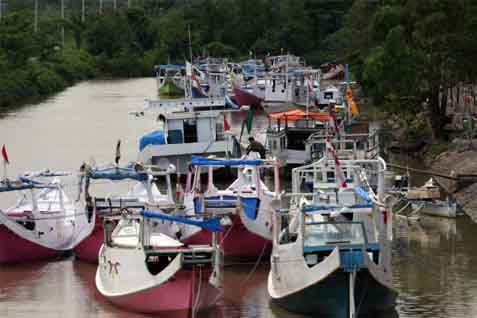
363	194
317	208
201	161
209	224
296	114
117	173
155	138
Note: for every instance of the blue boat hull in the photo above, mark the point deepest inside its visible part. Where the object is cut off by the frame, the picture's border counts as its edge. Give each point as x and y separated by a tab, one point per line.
329	298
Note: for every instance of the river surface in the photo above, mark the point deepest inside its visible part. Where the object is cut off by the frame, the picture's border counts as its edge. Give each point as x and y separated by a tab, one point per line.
434	261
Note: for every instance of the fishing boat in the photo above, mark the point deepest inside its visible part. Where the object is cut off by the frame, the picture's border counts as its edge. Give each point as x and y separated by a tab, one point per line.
44	222
427	200
246	203
332	249
170	80
144	270
188	127
129	187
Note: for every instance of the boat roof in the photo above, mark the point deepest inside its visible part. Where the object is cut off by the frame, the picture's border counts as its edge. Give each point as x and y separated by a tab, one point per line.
118	173
296	114
203	161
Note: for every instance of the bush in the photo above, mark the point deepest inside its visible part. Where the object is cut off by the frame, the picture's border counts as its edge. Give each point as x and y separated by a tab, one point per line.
46	79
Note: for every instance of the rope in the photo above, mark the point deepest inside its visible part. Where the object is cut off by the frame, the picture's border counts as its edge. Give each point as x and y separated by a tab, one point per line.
254	269
196	302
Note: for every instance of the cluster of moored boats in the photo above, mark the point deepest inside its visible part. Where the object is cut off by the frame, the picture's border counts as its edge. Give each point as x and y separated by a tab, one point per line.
160	246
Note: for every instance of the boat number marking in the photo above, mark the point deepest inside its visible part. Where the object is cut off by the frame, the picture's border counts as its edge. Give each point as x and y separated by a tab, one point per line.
113	268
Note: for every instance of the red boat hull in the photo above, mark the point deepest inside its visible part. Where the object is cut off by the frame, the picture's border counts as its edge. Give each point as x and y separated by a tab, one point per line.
175	298
14	249
245	98
88	249
236	241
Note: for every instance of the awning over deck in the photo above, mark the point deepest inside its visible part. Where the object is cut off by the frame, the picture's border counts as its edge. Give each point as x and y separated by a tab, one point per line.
296	114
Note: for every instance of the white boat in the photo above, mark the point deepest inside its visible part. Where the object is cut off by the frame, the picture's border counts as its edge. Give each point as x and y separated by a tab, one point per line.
332	250
246	202
186	128
43	223
127	188
441	208
142	269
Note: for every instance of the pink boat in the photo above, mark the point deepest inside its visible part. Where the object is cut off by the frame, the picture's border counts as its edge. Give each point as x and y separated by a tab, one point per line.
245	205
15	249
140	190
244	97
146	271
43	224
88	249
236	242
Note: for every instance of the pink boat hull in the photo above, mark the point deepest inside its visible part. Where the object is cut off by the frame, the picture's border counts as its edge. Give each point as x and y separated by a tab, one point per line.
14	249
174	298
88	249
236	241
245	98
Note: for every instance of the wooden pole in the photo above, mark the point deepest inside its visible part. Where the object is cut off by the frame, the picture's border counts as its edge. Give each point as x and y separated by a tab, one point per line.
36	16
432	173
62	24
82	11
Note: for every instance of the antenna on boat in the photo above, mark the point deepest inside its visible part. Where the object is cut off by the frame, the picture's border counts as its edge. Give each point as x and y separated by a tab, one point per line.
190	44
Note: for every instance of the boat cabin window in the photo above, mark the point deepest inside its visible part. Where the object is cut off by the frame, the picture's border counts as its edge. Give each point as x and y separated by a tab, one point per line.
334	233
190	131
328	95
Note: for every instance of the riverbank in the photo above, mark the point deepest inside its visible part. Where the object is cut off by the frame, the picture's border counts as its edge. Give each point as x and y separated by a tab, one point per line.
459	160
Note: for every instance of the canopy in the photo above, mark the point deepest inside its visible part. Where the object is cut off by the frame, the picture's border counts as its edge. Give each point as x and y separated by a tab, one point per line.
22	184
296	114
202	161
172	66
117	173
155	138
210	224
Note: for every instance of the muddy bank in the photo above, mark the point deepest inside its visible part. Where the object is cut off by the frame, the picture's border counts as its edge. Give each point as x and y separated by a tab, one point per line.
460	161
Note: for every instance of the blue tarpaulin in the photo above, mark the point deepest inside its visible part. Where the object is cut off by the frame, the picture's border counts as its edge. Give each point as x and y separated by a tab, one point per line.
117	173
155	138
210	224
201	161
326	207
363	194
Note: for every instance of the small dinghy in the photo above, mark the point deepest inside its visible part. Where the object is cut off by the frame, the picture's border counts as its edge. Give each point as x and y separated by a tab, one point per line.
43	223
332	250
245	202
140	190
142	269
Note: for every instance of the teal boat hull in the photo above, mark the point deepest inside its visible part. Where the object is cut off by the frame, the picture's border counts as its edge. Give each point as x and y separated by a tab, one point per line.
329	298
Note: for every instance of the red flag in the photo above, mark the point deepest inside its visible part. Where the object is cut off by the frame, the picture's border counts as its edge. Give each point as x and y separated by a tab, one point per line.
226	124
339	174
4	154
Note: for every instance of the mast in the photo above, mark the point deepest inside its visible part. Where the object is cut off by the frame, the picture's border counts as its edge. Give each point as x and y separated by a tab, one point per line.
190	44
36	16
82	11
63	24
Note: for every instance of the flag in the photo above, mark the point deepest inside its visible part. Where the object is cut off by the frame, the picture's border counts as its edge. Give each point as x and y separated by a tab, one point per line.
339	174
352	107
249	120
118	152
226	124
5	155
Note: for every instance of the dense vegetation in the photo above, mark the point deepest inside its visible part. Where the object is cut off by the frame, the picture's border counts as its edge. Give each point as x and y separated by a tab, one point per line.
406	54
128	42
409	55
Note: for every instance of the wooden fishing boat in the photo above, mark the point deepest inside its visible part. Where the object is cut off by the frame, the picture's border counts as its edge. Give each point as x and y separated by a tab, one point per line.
141	269
245	203
332	249
44	223
140	190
